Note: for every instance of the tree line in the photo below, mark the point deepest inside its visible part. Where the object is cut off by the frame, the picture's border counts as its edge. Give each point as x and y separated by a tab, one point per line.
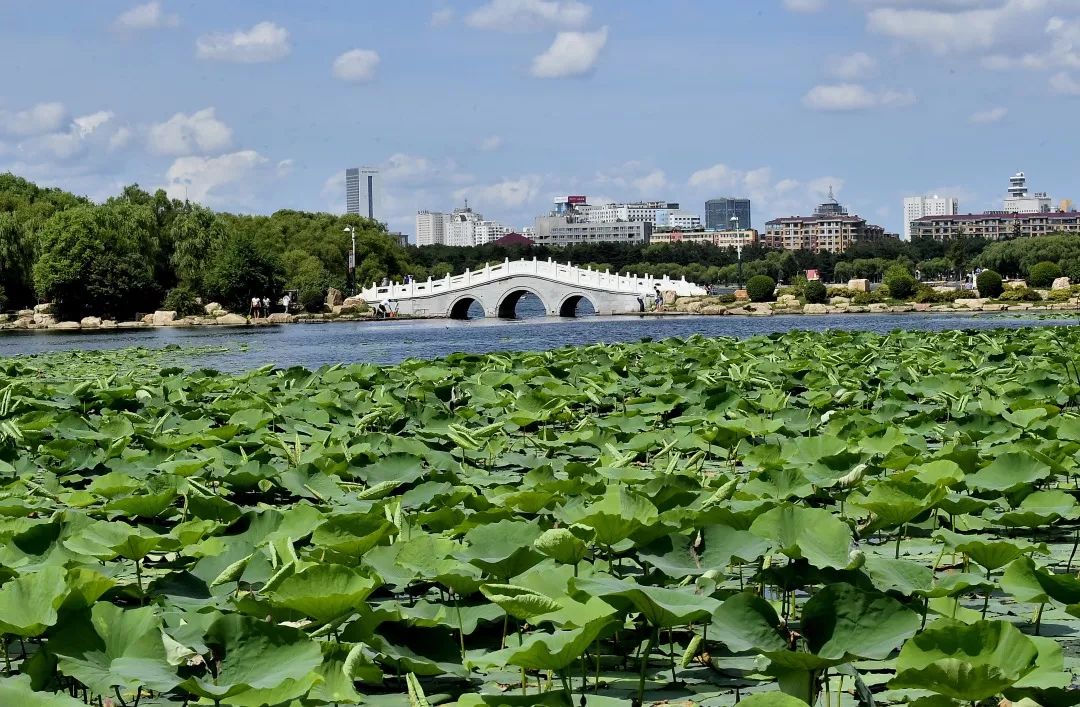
138	251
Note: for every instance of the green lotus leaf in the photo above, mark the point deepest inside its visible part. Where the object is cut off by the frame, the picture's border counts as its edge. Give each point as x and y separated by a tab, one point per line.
614	517
660	606
940	472
895	503
841	622
106	540
1008	471
1031	584
352	534
323	592
902	576
745	622
811	533
520	602
17	691
548	651
29	603
965	662
561	545
989	552
771	699
713	550
502	549
254	655
116	649
1041	508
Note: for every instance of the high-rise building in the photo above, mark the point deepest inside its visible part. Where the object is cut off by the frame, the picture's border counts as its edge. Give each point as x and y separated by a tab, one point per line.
362	191
915	207
430	228
719	213
1020	202
831	228
462	227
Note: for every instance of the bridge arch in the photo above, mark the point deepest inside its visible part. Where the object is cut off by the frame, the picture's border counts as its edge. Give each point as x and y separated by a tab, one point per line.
459	308
569	303
507	307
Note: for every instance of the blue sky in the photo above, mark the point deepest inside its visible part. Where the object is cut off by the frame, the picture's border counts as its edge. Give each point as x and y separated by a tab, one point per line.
254	106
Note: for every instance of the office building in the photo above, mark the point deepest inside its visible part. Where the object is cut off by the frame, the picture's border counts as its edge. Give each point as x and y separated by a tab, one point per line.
831	229
430	228
362	191
563	230
719	213
629	211
916	207
996	226
720	239
461	227
676	219
1020	202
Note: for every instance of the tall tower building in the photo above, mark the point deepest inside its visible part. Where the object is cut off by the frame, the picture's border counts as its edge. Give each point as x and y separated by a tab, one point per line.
363	189
719	214
915	207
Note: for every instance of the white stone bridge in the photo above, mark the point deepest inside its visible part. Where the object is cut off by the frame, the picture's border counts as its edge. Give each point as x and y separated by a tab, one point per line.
498	288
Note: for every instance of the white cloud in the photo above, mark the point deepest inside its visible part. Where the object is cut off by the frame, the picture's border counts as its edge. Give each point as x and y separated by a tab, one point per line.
36	120
851	66
852	97
72	143
148	16
491	143
285	167
443	17
805	5
769	196
509	193
214	179
356	65
1064	84
571	54
956	26
121	138
990	115
652	183
188	134
265	41
1059	50
529	15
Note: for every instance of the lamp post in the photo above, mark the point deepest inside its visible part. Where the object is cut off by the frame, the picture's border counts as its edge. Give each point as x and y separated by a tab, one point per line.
351	230
738	245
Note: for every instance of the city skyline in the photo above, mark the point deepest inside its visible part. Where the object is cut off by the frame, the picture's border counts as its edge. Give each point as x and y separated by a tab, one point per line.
255	107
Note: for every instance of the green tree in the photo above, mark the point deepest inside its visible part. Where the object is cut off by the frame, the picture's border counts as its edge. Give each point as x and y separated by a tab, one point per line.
98	260
989	284
761	288
305	274
242	270
16	259
900	282
196	235
1043	274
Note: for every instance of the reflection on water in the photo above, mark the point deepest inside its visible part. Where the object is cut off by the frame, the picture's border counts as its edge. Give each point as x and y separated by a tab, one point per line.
390	341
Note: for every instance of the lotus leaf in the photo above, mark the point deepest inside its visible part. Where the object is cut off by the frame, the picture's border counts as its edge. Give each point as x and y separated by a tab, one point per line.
811	533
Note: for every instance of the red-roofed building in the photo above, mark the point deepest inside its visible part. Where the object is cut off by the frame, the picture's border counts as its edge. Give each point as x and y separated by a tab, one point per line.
513	239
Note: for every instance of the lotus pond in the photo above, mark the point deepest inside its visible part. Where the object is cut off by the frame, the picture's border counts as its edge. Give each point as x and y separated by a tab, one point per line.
824	518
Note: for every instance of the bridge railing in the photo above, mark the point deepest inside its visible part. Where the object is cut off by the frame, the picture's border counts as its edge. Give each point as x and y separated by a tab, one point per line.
567	273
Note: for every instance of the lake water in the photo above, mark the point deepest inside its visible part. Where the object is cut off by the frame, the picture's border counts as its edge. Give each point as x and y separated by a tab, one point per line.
313	345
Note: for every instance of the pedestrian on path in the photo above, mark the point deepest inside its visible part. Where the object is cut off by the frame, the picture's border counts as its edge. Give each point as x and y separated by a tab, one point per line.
254	307
266	306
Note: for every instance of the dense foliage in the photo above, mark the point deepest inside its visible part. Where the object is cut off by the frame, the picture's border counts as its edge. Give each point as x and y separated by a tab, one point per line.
679	521
815	292
988	283
761	288
1043	274
900	282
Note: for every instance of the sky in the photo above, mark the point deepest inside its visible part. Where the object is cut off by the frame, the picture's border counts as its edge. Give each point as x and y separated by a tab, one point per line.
258	105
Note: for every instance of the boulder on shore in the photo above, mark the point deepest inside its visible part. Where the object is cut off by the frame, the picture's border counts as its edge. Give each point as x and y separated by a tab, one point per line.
815	309
231	320
353	305
334	297
859	285
1061	283
163	317
213	309
44	308
669	297
90	322
282	318
44	319
1015	284
64	325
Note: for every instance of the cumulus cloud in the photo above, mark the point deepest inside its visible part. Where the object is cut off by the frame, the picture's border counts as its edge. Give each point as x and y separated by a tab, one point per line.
805	5
529	15
991	115
1064	84
356	65
852	97
264	42
508	193
72	142
147	16
36	120
651	183
1060	50
214	179
851	66
952	27
491	143
188	134
767	194
571	54
443	17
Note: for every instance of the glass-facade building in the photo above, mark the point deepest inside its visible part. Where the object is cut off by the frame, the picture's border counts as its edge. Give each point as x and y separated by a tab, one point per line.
718	214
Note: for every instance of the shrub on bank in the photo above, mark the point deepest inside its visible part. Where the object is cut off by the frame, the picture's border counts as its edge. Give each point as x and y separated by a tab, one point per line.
841	292
183	300
1060	295
900	282
989	284
928	295
877	296
312	299
761	288
1019	294
1043	274
815	292
726	298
